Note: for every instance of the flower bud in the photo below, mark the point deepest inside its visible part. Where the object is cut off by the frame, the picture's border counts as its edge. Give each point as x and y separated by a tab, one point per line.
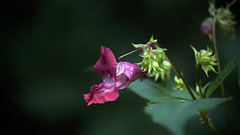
180	85
198	89
154	61
224	18
207	27
205	59
167	68
228	30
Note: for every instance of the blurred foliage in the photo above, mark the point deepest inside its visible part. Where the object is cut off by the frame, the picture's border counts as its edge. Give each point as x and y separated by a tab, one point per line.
48	46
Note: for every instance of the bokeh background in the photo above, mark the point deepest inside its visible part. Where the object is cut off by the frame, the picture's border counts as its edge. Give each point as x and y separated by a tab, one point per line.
48	49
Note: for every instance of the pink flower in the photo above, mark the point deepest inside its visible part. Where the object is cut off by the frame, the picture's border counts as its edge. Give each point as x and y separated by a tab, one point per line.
116	76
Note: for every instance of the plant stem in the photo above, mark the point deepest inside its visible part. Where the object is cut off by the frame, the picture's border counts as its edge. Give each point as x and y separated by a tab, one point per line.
219	67
128	54
211	126
231	3
199	81
178	73
207	121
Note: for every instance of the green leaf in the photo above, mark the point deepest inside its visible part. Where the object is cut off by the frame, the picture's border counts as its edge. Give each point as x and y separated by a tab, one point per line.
224	73
173	114
150	90
205	87
211	9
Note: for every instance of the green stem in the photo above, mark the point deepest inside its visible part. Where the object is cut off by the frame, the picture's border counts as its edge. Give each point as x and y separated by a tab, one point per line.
178	73
211	126
207	121
216	53
219	69
234	1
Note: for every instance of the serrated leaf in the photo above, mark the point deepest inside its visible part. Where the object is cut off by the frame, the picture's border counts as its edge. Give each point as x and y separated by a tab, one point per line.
224	73
173	114
150	90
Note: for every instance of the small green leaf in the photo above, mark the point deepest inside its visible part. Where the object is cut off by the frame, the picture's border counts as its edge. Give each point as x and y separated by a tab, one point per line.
205	87
173	114
211	9
224	73
167	99
139	45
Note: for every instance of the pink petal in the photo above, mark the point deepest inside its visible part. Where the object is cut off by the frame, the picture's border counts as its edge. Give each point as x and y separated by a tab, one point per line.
131	72
101	93
107	63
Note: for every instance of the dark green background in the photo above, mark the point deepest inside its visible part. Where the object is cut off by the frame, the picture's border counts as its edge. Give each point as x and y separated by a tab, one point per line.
49	47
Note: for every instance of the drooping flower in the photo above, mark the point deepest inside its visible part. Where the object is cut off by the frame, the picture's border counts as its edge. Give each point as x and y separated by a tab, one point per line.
116	76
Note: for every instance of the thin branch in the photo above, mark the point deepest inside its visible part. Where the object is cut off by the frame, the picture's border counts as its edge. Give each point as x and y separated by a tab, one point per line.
219	68
178	73
128	54
234	1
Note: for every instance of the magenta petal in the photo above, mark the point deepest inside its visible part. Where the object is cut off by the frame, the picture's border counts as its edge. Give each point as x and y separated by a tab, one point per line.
107	63
101	93
131	72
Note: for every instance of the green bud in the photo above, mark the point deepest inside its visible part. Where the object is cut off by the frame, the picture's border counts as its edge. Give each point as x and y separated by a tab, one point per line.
180	85
154	60
225	16
155	65
167	68
197	89
225	19
205	59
